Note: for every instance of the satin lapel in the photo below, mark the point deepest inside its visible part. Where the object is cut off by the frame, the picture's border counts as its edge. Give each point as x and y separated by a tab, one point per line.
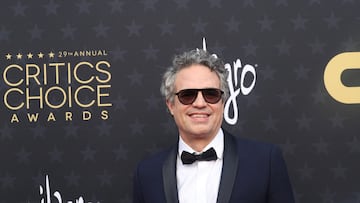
230	165
169	177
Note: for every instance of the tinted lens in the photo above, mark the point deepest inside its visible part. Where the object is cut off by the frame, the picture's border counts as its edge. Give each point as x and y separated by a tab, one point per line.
210	95
187	96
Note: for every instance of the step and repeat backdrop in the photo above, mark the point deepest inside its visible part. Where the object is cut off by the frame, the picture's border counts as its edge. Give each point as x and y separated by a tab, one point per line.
81	106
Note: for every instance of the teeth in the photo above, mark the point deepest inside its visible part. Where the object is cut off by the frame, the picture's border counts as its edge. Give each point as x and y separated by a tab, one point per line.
199	115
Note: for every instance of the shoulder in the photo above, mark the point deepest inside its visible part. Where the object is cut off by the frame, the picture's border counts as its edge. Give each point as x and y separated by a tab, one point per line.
246	145
156	160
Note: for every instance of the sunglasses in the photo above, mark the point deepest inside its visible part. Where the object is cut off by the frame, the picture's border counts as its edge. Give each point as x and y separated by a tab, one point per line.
210	95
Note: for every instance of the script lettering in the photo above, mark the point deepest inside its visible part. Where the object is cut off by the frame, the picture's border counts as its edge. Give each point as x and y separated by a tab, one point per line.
56	194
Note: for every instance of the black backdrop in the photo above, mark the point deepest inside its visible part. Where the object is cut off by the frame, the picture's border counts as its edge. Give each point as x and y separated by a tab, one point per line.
112	53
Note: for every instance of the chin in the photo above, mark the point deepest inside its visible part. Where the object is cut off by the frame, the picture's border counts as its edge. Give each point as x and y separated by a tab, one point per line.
201	133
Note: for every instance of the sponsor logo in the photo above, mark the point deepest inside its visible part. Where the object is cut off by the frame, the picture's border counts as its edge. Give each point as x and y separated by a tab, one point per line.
333	77
56	85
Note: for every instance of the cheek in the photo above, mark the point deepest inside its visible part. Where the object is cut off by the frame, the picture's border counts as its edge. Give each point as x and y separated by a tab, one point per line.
219	111
218	108
177	109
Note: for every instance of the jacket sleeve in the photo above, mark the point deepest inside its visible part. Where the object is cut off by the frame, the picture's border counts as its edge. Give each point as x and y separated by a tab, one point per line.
280	189
137	192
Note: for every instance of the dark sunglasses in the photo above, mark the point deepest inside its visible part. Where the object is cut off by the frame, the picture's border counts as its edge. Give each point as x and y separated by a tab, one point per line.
210	95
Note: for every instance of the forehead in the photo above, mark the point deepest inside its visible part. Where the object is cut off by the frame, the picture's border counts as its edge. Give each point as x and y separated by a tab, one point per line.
196	76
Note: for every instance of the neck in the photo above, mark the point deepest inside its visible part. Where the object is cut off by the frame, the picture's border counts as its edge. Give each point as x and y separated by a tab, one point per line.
198	144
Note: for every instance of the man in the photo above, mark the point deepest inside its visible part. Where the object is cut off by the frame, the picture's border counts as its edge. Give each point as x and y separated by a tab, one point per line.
208	165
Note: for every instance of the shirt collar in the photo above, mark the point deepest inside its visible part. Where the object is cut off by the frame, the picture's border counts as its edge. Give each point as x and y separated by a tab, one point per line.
217	143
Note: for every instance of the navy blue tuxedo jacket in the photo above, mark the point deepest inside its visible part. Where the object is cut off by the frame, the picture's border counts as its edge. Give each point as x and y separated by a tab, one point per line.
253	172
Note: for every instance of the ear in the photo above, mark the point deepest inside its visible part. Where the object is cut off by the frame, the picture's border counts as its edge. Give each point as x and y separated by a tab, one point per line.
170	106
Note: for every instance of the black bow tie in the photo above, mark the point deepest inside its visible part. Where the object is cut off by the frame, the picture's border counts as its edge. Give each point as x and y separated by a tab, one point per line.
208	155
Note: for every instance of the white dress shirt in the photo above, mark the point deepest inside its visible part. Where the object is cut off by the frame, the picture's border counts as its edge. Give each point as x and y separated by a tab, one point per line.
199	182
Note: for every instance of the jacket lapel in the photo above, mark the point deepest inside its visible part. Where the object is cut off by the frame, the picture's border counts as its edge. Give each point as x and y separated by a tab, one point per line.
230	165
169	177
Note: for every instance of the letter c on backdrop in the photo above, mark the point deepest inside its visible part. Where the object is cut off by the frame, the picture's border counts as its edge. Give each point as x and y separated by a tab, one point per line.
332	77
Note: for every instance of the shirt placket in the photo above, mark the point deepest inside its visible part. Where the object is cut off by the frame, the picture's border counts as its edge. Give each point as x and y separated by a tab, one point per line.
201	182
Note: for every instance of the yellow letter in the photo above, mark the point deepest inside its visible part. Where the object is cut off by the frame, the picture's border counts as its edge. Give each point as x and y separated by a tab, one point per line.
106	72
34	97
100	95
76	96
51	117
6	99
5	75
86	115
32	117
104	115
34	75
63	97
14	118
76	72
332	77
68	116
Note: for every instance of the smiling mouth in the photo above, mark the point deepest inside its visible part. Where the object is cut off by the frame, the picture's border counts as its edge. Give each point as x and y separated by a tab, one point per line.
199	115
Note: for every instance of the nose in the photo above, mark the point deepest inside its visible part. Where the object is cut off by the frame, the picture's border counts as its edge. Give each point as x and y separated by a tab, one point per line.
199	101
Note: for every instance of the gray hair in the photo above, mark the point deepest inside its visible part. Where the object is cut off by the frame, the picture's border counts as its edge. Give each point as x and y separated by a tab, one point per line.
187	59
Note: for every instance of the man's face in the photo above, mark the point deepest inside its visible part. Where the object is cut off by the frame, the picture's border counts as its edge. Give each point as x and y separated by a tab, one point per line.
199	120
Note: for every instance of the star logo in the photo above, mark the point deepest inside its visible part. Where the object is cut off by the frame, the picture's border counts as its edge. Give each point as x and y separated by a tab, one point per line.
51	55
29	55
19	56
40	55
8	56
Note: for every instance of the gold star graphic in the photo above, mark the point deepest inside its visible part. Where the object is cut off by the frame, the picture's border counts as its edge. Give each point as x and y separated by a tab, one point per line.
41	55
51	54
8	56
19	56
30	55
